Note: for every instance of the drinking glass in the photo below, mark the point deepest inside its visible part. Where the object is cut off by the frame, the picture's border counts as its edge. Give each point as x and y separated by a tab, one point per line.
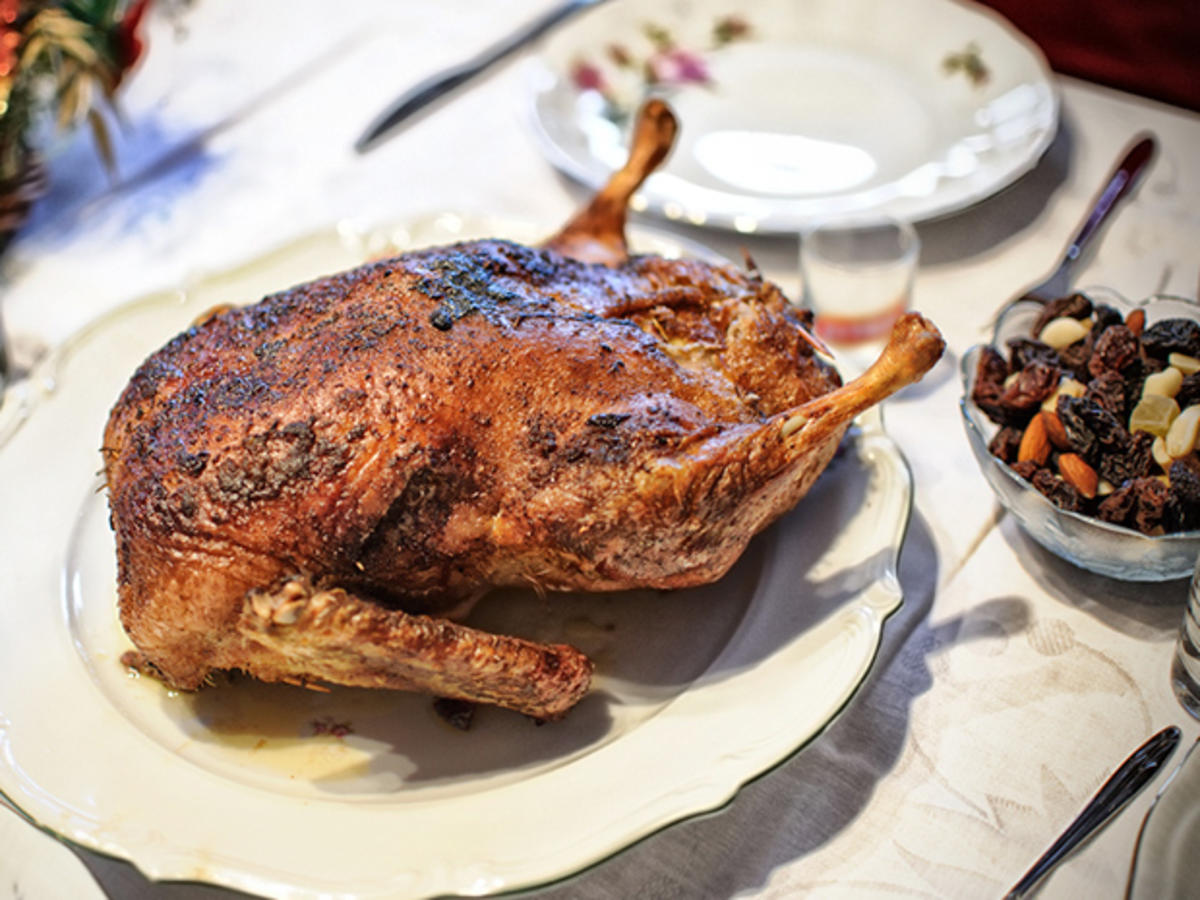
857	278
1185	671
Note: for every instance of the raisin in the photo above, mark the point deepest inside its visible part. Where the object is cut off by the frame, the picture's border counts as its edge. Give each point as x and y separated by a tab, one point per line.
1117	508
1109	391
1185	483
1076	306
1135	376
1005	443
1116	347
1033	384
1172	336
1141	503
1026	469
1136	462
1191	461
1152	496
990	373
1058	491
1023	351
1105	316
1183	506
1189	391
1091	430
1076	356
1180	516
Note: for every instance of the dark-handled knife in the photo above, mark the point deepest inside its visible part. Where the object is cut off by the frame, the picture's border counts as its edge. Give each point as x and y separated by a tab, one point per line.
438	86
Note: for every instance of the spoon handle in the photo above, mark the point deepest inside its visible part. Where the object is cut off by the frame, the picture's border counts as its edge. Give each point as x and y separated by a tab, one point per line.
1120	183
1122	786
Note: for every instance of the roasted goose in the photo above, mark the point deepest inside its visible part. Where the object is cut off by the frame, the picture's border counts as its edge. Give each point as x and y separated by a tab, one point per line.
312	488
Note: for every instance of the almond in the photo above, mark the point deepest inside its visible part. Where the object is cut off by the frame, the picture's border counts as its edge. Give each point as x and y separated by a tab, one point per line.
1035	443
1055	430
1188	365
1076	472
1183	434
1136	321
1063	332
1159	451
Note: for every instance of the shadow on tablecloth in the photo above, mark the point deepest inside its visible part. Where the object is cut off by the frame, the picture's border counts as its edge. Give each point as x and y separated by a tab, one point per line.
795	809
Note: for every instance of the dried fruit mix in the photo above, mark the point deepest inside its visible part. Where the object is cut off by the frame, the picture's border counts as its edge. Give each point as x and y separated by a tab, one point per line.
1101	413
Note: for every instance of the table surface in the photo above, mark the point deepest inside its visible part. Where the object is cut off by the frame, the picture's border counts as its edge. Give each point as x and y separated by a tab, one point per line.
1008	686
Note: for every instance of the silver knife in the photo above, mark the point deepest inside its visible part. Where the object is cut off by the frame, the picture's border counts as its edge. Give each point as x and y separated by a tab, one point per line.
1122	786
437	86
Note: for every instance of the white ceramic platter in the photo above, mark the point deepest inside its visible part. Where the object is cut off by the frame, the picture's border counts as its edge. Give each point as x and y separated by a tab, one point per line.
799	110
292	793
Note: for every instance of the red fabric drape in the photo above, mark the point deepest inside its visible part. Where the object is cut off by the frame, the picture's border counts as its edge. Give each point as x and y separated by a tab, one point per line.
1146	47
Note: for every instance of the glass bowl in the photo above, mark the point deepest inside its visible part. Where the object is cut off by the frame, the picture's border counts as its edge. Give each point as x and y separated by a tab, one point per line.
1097	546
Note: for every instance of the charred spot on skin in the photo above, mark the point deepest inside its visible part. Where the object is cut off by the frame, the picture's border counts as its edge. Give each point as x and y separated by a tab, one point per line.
607	420
419	513
191	463
187	503
219	395
605	446
443	319
268	349
351	398
464	283
542	436
275	460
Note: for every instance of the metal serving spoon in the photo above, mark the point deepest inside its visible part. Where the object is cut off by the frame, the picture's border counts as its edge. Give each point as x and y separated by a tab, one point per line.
1120	183
1122	786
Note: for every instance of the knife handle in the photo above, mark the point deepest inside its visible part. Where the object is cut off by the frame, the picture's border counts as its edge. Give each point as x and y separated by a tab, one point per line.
442	83
1133	775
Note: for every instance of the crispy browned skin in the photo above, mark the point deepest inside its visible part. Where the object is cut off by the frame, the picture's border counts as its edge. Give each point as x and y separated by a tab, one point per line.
301	487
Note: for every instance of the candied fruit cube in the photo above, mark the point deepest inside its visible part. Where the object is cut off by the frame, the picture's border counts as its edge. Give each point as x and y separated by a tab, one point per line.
1154	413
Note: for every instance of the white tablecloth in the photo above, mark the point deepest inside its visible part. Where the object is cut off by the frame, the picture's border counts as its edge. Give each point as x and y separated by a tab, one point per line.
1009	685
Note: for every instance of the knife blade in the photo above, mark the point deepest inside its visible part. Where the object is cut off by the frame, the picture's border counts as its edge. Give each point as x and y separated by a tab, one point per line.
440	85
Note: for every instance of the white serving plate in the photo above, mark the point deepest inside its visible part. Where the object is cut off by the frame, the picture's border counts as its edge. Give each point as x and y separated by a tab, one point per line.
292	793
825	108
